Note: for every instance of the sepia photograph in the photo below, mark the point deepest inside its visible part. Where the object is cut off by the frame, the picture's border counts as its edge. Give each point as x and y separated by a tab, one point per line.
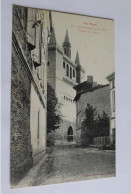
62	98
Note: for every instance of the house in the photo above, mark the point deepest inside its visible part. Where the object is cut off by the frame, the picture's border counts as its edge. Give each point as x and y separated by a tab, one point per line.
97	95
28	88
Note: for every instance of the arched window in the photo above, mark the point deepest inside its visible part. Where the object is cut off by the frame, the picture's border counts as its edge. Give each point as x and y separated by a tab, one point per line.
73	73
67	70
70	72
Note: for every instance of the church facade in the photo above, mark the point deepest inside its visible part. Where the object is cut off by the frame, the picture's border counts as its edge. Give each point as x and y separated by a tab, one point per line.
63	74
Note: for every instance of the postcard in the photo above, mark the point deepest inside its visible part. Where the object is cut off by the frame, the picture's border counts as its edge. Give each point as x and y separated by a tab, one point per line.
62	98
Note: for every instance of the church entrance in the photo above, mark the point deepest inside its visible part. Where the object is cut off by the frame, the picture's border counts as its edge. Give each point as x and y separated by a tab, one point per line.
70	134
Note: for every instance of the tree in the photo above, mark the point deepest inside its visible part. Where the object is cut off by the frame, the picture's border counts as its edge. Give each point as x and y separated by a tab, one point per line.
94	125
89	121
103	125
53	113
88	125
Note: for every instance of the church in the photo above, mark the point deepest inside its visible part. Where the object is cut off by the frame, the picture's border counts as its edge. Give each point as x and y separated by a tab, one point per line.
63	74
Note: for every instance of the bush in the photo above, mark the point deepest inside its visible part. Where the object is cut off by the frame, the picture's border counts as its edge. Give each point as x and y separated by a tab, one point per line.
50	139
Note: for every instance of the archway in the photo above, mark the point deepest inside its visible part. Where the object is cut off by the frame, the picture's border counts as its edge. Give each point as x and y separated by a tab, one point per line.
70	134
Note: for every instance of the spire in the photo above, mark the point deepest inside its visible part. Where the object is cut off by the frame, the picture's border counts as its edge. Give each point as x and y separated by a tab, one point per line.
50	18
52	38
66	38
66	45
77	60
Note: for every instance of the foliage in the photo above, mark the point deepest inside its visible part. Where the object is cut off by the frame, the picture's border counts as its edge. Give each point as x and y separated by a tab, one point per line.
53	114
94	124
89	121
102	125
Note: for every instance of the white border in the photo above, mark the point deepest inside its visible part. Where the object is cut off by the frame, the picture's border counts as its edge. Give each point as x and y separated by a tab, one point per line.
120	11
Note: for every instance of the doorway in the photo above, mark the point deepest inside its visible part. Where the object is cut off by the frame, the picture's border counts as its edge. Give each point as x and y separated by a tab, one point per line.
70	134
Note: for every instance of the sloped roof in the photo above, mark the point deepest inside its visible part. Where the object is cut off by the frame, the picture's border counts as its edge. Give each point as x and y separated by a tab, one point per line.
86	87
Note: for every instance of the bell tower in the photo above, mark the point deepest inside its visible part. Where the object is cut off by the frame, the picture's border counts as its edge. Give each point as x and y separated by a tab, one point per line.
66	45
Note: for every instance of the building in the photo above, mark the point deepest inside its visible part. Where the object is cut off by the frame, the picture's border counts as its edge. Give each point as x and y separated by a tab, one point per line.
94	94
63	74
111	79
28	88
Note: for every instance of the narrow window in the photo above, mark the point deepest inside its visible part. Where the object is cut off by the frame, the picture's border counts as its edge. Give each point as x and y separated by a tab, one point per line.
67	70
113	101
73	73
65	50
70	72
38	127
63	64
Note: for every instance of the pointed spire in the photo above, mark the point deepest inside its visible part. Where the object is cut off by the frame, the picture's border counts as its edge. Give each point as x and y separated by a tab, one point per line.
52	38
50	18
66	38
66	45
77	60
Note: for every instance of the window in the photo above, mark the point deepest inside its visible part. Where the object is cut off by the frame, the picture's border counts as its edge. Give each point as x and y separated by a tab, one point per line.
63	64
38	127
48	63
73	73
113	101
70	72
67	70
65	50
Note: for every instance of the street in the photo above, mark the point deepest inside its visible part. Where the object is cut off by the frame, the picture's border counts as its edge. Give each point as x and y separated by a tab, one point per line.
68	164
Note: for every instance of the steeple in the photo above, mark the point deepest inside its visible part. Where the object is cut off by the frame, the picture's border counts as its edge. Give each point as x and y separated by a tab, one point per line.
77	60
78	68
66	41
66	45
52	38
50	18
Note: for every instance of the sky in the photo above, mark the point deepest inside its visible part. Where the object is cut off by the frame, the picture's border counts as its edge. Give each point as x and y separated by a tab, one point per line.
94	40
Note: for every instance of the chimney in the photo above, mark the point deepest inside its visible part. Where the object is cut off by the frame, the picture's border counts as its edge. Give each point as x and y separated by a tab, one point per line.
90	79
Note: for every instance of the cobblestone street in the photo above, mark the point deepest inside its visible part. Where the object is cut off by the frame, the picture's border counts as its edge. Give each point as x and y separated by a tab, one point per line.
67	163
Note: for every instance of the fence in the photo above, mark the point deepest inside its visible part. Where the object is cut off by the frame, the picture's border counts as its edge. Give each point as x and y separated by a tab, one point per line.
101	140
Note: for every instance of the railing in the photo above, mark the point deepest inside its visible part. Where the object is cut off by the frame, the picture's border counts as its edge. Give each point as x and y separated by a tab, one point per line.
101	140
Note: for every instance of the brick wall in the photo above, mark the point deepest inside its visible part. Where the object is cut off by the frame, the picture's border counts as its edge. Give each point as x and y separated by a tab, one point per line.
21	150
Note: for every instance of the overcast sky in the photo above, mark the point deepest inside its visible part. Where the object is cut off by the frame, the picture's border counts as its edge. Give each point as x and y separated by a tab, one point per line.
96	50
